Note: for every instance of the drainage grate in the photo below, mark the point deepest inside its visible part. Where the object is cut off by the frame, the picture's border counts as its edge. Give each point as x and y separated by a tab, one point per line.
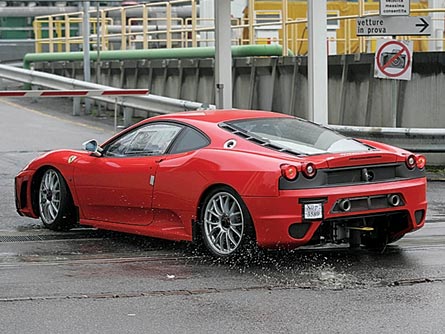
47	237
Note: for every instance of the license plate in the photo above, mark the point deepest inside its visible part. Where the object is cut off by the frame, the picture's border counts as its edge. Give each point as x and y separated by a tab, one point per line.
313	211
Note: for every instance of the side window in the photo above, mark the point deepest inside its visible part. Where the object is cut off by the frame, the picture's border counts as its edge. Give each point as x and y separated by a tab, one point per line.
189	140
150	139
118	147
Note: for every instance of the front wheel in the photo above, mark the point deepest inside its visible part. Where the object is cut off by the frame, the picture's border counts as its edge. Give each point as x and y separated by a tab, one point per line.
226	222
55	204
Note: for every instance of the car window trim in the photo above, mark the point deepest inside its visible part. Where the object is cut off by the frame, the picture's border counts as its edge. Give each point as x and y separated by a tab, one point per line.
167	151
136	129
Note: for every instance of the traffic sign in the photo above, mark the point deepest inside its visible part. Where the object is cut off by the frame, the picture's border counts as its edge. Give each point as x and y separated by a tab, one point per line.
394	7
393	26
393	59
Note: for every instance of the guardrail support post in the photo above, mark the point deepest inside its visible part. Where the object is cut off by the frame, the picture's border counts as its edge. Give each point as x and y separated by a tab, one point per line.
34	99
128	116
76	106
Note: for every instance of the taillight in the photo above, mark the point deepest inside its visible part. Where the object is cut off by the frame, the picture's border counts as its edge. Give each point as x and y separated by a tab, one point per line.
411	161
289	172
420	161
309	170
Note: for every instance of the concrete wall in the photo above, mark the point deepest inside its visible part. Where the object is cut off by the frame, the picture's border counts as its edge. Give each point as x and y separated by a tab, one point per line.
15	50
280	84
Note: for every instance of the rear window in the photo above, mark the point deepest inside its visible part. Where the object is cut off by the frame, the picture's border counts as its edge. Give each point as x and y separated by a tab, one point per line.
294	135
189	140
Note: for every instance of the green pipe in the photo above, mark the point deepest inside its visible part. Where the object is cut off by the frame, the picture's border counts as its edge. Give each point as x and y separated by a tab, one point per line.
203	52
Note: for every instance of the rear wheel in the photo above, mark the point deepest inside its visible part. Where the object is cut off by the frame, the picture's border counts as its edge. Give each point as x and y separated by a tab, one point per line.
226	222
55	203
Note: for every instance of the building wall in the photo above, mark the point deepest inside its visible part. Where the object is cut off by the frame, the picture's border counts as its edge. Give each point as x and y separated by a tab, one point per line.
280	84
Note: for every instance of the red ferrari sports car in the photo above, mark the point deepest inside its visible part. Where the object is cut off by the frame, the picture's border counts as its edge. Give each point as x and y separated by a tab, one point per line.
229	177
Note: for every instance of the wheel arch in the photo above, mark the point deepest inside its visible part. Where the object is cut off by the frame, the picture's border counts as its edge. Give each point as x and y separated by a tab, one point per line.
35	183
196	227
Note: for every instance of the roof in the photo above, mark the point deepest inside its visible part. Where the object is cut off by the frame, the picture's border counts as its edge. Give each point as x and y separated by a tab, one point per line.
223	115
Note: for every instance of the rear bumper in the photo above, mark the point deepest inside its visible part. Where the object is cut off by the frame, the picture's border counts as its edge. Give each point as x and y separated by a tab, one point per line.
274	216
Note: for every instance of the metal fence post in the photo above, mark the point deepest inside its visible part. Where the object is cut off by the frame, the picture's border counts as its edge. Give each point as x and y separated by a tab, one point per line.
76	106
128	116
115	113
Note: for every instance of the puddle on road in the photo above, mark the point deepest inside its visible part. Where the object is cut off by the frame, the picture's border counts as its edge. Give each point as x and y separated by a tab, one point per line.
96	254
327	277
335	269
436	211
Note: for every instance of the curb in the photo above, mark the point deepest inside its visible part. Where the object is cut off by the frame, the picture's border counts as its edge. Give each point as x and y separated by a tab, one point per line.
435	177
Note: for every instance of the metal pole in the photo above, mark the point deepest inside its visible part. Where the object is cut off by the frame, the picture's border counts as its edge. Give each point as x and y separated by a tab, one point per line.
436	42
394	96
318	62
168	8
145	27
86	48
284	18
223	55
207	12
194	23
98	29
361	8
361	12
123	29
251	22
51	33
115	113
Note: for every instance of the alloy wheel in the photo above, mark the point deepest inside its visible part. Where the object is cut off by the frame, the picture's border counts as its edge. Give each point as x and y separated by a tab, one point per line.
49	196
223	222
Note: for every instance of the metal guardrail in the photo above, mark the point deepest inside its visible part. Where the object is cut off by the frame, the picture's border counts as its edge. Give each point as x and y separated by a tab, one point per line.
151	103
426	140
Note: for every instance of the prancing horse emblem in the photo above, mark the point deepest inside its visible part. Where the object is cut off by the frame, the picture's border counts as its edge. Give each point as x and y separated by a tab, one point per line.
367	175
71	159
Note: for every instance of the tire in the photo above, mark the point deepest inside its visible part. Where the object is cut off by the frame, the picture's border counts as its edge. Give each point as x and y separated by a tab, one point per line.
56	207
226	224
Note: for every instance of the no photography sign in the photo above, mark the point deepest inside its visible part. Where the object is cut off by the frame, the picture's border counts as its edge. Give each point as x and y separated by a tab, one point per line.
393	59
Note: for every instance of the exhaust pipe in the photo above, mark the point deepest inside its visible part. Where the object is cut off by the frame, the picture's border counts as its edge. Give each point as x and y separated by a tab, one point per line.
345	205
394	200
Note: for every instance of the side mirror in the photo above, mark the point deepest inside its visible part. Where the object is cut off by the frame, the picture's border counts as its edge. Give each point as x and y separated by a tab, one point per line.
93	147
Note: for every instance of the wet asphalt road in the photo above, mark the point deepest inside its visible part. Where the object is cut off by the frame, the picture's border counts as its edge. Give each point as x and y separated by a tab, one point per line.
87	281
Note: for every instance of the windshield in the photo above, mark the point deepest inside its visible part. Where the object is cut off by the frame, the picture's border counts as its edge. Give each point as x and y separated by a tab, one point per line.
295	135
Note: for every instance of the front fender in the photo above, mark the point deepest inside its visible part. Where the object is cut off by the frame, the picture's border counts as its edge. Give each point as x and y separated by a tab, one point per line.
64	161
